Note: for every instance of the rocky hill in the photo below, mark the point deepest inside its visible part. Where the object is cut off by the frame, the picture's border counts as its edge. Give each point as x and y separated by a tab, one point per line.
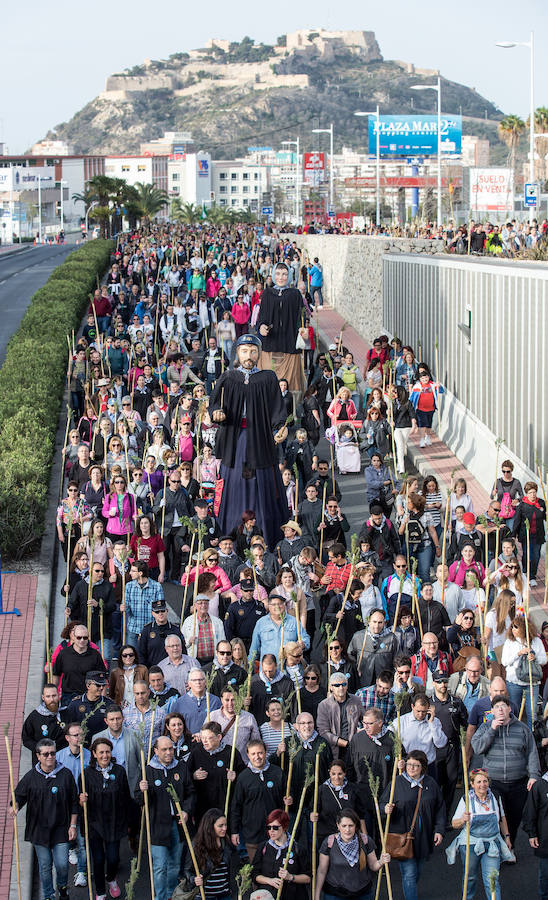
233	95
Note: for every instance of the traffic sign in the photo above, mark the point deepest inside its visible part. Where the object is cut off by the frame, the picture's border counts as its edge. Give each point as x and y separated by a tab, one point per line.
331	213
268	210
531	194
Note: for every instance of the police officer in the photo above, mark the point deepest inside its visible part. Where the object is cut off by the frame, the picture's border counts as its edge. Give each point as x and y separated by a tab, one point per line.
244	614
153	636
453	716
91	706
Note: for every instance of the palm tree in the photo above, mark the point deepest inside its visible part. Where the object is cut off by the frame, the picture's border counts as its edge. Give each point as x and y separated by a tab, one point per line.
151	200
190	214
541	125
510	130
176	209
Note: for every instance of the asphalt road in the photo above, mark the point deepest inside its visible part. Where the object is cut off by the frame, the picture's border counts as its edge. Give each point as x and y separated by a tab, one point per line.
20	276
439	881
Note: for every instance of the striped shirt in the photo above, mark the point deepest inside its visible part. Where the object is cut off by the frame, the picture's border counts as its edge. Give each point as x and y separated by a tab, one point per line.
271	737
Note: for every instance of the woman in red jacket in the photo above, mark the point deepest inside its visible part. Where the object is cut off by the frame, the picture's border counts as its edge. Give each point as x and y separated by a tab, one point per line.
241	314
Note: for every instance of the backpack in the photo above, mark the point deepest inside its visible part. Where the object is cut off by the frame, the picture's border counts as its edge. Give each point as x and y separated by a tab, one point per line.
507	511
349	379
414	531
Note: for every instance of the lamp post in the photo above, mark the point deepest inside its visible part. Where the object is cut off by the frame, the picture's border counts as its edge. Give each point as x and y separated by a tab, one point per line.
296	144
39	209
61	183
507	45
328	131
435	87
376	113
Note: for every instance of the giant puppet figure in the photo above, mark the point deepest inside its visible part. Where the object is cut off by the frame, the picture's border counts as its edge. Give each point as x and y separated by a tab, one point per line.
280	317
248	405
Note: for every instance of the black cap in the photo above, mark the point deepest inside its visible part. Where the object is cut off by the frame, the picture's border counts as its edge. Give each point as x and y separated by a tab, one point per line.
99	678
158	605
246	584
440	676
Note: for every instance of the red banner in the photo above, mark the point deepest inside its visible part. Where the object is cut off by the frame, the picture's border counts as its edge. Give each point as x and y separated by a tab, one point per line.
404	181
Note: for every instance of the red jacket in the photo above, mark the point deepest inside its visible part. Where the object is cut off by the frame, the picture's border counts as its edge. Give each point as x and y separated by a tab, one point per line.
419	667
102	306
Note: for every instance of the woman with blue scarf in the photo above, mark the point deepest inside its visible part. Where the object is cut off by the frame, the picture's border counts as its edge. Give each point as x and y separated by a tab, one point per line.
490	843
347	860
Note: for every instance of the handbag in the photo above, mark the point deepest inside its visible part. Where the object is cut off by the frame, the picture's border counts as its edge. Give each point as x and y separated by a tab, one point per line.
185	891
522	670
400	846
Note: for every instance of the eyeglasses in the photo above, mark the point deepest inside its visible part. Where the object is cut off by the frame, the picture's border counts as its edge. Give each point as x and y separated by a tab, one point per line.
468	618
512	568
339	684
119	481
128	654
401	566
310	678
335	647
81	637
273	827
507	470
73	490
496	508
47	753
224	652
403	671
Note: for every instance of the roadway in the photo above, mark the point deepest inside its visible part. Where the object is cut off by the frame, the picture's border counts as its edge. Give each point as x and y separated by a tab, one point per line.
20	277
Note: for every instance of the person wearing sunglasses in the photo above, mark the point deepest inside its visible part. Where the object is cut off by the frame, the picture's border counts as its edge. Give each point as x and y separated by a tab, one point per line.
508	491
462	634
269	869
337	661
312	691
49	792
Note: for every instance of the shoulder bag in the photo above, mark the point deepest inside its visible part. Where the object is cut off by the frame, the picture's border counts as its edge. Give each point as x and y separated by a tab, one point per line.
400	846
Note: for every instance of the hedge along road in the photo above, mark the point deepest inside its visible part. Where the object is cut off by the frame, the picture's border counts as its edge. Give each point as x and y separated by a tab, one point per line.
20	276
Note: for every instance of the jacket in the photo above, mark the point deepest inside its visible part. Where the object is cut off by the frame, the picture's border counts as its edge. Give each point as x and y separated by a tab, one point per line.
117	683
419	665
328	721
378	654
457	685
535	816
176	501
188	628
509	752
132	750
114	525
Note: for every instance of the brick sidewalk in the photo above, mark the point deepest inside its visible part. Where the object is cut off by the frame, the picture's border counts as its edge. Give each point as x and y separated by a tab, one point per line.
15	645
437	459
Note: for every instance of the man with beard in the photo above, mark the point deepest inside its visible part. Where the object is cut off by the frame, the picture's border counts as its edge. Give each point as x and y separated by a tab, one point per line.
44	721
248	405
278	323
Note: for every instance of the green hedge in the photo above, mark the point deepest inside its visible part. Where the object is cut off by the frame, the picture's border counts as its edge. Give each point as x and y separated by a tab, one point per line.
32	383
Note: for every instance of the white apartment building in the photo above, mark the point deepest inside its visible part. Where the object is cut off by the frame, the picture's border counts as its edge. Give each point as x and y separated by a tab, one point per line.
239	183
189	177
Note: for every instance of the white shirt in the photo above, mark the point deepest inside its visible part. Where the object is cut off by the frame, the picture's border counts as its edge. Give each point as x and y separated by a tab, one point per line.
510	657
425	735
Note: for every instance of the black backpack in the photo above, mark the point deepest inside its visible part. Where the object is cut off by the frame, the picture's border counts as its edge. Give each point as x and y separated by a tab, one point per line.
414	531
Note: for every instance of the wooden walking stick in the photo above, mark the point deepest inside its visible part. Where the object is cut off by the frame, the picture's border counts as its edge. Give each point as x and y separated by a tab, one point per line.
398	602
101	630
308	779
365	624
67	429
493	879
164	502
244	881
354	557
323	519
147	825
90	585
397	756
14	807
176	802
191	527
414	599
527	601
374	788
315	823
292	749
239	698
467	809
85	808
154	707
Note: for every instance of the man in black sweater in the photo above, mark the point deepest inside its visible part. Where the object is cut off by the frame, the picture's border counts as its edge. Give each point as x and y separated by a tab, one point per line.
44	721
49	791
259	790
209	765
226	672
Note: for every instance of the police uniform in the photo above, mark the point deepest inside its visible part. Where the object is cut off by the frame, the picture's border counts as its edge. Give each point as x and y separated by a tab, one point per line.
151	647
241	619
453	716
93	711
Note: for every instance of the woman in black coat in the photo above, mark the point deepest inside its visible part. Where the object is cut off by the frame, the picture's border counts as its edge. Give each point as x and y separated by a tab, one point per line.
532	510
334	795
431	809
108	800
268	862
338	662
312	692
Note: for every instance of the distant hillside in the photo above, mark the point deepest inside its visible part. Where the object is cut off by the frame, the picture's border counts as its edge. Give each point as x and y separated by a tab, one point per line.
233	95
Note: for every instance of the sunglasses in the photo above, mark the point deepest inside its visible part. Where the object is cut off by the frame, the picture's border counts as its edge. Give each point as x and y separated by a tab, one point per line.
310	678
339	684
80	637
128	654
73	490
47	753
273	827
224	652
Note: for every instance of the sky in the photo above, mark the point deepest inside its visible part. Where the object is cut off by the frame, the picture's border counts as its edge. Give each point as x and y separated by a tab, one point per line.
56	59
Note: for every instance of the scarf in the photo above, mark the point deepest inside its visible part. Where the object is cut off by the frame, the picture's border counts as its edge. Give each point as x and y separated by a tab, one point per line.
218	749
105	772
218	668
156	764
269	681
279	847
412	781
337	789
379	528
376	738
44	711
350	850
307	745
40	771
295	674
259	772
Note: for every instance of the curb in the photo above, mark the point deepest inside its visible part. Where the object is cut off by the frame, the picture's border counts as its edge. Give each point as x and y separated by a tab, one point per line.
15	252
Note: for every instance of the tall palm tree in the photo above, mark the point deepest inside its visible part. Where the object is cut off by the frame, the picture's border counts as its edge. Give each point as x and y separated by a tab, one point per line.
151	200
541	143
510	130
190	214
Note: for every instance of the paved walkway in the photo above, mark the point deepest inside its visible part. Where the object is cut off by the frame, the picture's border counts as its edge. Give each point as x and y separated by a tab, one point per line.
15	646
437	459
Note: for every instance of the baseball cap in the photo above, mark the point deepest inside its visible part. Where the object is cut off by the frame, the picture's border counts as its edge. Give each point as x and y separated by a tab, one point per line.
440	676
469	518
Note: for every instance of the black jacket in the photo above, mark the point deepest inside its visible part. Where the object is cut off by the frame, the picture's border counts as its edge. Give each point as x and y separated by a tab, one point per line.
535	816
431	811
37	726
50	804
108	802
78	605
235	677
254	799
160	802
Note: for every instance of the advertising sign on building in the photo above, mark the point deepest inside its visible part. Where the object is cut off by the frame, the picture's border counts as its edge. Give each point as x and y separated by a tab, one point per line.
203	167
491	190
404	135
314	168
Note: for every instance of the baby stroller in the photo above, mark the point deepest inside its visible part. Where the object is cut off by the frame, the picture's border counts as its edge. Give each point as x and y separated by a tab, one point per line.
347	452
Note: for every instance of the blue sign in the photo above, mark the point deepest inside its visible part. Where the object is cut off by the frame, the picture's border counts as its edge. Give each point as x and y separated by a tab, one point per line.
407	135
531	194
268	210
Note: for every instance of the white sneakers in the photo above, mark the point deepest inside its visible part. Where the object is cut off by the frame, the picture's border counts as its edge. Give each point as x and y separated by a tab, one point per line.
73	857
80	880
425	441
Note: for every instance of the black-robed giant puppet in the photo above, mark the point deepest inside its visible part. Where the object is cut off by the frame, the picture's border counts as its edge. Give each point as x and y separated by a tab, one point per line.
279	320
248	405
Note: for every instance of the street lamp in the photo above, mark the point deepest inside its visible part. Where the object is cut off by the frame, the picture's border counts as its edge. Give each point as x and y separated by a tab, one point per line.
328	131
434	87
61	183
376	113
507	45
296	144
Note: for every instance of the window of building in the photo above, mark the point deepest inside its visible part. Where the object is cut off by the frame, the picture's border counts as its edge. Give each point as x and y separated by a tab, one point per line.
125	168
222	201
234	176
222	189
234	203
256	189
256	176
222	176
245	189
141	168
175	190
234	189
245	176
175	176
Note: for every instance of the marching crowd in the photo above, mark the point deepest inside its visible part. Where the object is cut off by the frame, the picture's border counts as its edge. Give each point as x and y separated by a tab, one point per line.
322	700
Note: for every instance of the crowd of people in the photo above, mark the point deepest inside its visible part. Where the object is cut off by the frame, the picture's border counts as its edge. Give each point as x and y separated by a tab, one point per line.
310	709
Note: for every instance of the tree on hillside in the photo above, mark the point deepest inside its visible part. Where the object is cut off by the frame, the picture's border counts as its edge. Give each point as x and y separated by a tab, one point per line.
510	130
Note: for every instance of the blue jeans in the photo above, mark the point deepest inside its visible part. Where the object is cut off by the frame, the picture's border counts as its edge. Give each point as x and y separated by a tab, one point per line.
425	560
81	849
410	871
103	323
47	858
486	864
165	863
132	638
535	557
543	878
317	295
516	692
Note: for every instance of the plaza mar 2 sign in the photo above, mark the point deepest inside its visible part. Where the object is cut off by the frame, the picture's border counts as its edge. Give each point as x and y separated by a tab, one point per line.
491	190
415	135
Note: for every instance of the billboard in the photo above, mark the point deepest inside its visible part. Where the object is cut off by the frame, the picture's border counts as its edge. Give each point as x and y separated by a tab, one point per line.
404	135
203	167
314	168
491	190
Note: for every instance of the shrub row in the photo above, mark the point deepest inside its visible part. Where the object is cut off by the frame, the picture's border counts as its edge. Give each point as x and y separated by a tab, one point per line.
32	383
